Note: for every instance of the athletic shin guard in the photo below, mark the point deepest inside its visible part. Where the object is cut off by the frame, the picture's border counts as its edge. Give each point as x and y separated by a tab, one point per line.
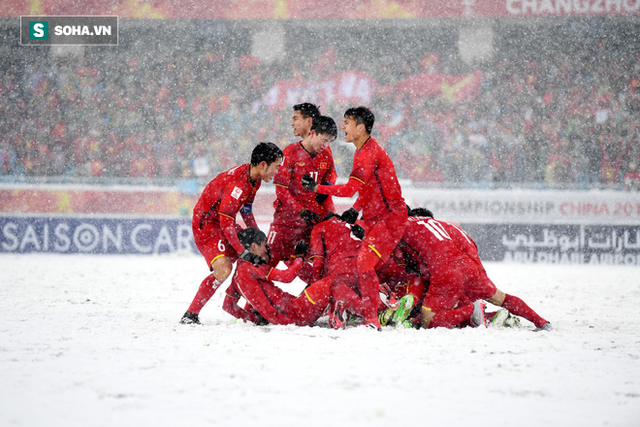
207	288
518	307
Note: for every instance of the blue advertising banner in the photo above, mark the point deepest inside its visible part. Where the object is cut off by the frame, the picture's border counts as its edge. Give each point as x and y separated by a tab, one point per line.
557	244
70	235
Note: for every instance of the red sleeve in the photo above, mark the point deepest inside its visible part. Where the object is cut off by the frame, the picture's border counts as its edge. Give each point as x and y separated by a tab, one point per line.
283	194
342	190
230	305
364	163
249	219
228	226
317	253
286	276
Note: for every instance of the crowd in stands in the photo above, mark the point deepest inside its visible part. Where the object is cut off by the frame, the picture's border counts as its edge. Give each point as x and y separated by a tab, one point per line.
567	119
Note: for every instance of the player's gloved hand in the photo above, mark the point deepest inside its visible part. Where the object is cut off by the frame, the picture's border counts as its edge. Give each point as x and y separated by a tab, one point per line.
357	231
320	198
349	216
301	249
310	217
259	320
309	183
252	258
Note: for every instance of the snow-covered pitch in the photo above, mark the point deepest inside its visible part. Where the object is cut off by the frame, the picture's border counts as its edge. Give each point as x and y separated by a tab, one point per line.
95	341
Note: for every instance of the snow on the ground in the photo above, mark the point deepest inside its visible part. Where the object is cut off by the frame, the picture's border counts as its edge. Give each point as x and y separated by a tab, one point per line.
95	341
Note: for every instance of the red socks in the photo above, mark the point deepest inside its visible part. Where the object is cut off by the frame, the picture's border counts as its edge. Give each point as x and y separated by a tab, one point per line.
206	290
450	318
518	307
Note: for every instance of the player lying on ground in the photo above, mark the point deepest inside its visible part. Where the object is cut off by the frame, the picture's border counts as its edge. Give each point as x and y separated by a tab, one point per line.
384	212
214	219
483	288
296	208
254	280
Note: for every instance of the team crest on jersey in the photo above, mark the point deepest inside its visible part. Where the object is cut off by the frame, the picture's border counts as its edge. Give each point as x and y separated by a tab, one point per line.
323	165
236	193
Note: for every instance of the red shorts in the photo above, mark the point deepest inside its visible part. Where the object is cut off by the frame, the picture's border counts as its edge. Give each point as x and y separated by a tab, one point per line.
383	236
449	285
213	244
483	288
282	240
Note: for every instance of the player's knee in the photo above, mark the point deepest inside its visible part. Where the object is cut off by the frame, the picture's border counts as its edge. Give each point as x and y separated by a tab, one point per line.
497	298
222	268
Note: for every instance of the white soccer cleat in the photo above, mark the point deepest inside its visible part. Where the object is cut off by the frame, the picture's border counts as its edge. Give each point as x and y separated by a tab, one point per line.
478	317
498	320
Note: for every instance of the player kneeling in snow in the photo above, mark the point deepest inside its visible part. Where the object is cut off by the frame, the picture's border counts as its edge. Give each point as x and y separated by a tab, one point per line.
254	279
481	287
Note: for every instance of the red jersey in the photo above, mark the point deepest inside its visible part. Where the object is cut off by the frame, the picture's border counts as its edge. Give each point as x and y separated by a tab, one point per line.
427	241
333	241
222	198
379	190
291	197
463	242
256	286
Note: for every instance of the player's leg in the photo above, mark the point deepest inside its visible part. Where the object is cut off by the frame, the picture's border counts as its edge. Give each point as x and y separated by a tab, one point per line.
312	302
443	295
380	241
221	270
220	255
518	307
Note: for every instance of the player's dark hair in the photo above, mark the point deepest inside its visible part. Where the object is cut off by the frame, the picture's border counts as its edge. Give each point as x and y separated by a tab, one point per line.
324	125
266	152
422	212
251	235
361	115
307	110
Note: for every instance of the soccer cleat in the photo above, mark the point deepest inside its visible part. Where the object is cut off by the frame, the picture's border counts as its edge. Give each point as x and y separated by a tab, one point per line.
404	309
190	318
336	318
477	317
498	320
409	324
385	316
546	327
388	297
372	323
512	322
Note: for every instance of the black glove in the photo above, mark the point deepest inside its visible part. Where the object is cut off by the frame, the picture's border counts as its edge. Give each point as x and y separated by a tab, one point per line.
260	321
357	231
309	183
349	216
301	249
320	198
310	217
252	258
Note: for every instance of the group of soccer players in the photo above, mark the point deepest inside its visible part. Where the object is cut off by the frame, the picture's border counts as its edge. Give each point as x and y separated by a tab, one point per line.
379	263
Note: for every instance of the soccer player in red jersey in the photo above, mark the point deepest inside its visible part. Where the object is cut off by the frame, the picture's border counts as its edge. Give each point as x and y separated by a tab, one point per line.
484	288
334	249
214	219
384	211
298	209
254	279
